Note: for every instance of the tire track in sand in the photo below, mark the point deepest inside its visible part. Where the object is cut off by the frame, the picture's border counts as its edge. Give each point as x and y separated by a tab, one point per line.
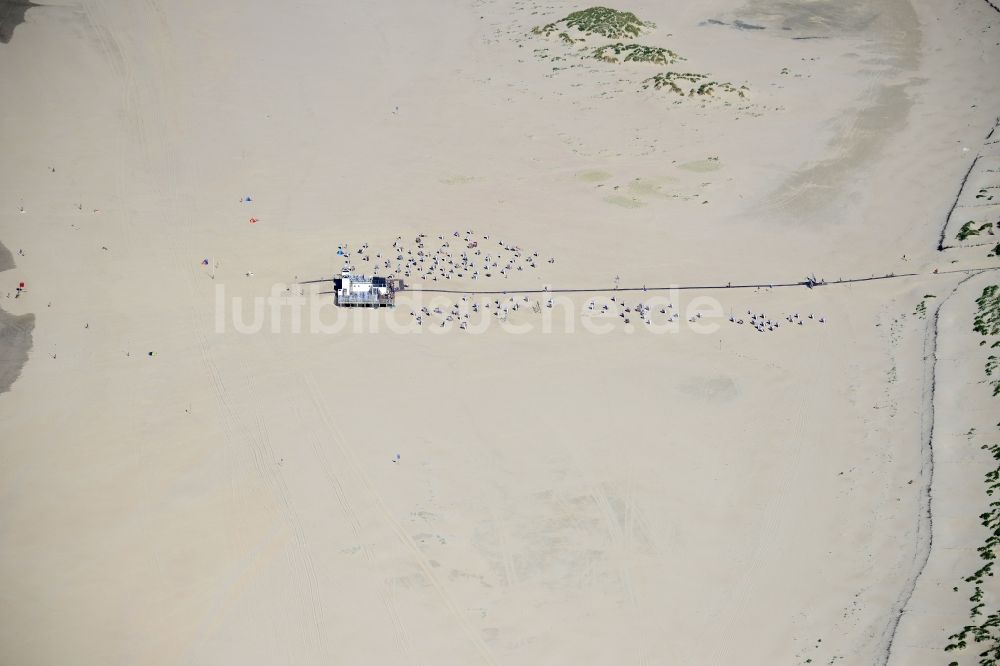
925	515
400	532
160	162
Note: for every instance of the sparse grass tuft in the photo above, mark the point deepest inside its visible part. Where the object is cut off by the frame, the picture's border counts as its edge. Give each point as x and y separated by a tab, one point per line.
921	310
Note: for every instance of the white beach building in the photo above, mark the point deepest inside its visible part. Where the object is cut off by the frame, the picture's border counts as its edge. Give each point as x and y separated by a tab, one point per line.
356	290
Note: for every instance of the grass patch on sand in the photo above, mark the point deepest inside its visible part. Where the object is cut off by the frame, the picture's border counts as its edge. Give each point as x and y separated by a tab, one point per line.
692	84
610	23
593	176
656	55
624	201
646	188
702	166
458	180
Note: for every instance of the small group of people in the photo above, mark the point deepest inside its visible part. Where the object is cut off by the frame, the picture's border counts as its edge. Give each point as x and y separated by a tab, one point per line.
763	323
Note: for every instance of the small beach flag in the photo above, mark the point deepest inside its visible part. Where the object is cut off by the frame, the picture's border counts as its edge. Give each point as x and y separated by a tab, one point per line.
20	285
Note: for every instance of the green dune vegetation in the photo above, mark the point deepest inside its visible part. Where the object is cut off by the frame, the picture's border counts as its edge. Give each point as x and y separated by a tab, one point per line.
987	321
970	229
616	24
985	632
603	21
674	82
656	55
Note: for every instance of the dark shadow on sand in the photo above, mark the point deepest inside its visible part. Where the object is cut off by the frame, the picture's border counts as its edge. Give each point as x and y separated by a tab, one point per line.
15	335
12	15
15	343
6	259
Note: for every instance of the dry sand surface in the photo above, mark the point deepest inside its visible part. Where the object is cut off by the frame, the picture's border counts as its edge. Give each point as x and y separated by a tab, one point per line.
524	489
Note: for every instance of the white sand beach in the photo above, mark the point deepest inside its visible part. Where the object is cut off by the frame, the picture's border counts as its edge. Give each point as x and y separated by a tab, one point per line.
721	475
